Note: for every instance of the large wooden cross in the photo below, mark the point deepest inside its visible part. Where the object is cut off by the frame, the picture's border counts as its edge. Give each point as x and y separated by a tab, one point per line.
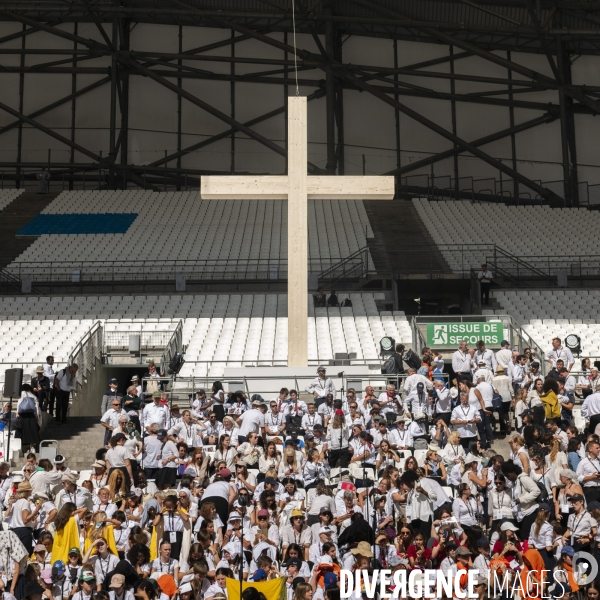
297	187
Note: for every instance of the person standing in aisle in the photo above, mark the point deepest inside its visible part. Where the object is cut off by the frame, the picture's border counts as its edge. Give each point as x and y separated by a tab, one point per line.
65	384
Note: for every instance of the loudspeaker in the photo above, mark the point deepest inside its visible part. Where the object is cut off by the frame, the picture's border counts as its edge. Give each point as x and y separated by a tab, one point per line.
13	379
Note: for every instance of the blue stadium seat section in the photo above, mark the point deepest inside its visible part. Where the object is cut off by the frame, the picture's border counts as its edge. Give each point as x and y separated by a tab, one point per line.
73	224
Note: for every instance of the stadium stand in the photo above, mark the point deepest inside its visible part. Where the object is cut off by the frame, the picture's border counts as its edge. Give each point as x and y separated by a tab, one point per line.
555	313
7	196
231	329
179	225
509	227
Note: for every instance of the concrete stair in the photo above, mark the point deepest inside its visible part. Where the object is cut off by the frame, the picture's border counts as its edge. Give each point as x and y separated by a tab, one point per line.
402	242
14	217
78	440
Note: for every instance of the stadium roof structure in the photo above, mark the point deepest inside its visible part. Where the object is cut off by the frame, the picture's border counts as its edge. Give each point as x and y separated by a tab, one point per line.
492	30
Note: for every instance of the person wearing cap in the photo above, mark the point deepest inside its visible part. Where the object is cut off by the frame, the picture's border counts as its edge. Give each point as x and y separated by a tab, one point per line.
316	549
46	514
463	559
297	532
41	388
252	421
87	585
320	386
21	518
482	370
71	492
110	418
155	412
200	403
111	394
117	589
135	380
264	532
581	526
565	576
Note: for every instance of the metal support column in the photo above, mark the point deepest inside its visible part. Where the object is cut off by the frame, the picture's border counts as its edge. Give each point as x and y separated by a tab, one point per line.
285	100
73	105
179	83
330	91
564	126
21	90
232	101
125	29
397	116
453	111
513	142
114	73
566	110
339	108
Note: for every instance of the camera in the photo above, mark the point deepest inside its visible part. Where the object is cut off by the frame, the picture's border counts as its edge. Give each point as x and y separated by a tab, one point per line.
243	500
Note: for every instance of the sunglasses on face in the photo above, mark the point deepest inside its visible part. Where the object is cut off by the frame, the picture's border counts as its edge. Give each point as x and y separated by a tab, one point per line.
263	518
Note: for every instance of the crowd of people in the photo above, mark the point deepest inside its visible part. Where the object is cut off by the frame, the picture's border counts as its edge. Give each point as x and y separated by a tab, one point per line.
181	499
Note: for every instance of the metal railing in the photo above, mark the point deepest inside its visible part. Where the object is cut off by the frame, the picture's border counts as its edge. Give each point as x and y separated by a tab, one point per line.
259	384
174	346
150	340
88	351
489	189
274	269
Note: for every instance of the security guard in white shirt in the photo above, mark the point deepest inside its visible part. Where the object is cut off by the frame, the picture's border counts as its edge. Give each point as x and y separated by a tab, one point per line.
461	362
321	385
484	354
560	353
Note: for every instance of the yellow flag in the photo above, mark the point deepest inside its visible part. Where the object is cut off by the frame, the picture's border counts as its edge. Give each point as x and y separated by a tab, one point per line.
274	589
64	540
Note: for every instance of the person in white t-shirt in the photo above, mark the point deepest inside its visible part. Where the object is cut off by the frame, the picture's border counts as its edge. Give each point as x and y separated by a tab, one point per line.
465	418
252	421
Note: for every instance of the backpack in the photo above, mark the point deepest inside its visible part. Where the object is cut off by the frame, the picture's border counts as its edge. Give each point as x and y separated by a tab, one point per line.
496	399
551	405
27	405
346	303
389	366
543	497
412	360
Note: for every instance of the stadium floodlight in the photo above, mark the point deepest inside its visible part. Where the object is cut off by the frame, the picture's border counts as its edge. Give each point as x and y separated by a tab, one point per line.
573	343
387	345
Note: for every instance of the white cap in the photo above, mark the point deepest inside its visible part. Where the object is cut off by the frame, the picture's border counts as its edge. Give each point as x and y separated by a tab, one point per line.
325	529
186	587
233	516
508	525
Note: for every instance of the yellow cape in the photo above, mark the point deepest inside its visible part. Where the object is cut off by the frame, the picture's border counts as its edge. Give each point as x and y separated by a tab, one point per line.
157	536
64	540
273	589
110	538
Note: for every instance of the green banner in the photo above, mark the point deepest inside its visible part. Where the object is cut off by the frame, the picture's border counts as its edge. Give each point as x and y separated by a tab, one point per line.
451	334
